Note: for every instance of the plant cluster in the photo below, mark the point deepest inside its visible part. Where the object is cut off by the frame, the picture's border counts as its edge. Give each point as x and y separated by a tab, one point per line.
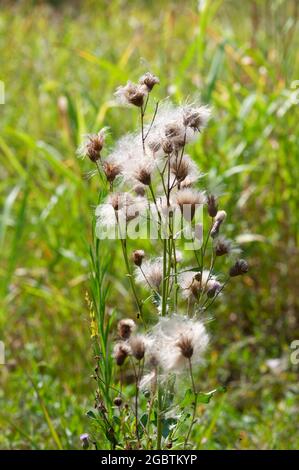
150	179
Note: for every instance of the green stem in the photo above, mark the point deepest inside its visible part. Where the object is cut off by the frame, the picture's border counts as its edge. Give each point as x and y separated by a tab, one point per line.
194	404
159	419
130	276
164	282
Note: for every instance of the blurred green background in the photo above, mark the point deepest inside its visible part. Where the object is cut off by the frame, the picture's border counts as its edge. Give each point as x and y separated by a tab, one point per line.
60	63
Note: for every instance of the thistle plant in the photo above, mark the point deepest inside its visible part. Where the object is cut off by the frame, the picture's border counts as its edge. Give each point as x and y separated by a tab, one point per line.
146	362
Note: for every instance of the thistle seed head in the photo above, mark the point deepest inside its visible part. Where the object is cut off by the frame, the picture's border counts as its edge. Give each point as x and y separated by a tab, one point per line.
121	352
137	344
167	146
138	256
125	328
196	118
149	80
93	145
111	169
187	200
185	345
132	93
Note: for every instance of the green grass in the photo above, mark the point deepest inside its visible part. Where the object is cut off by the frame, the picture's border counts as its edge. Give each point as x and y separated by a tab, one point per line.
60	67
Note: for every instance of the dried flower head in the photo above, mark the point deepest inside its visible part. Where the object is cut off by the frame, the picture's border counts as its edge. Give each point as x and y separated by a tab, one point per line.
93	145
240	267
154	144
175	133
132	93
196	117
125	328
138	346
167	146
192	283
180	338
185	345
118	211
138	256
184	170
149	80
187	200
111	169
143	171
121	352
151	274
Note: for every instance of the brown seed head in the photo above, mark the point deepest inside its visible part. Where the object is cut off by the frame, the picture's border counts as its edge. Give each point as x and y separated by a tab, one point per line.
111	170
143	175
138	256
149	80
95	145
132	93
121	352
185	346
125	328
137	347
167	146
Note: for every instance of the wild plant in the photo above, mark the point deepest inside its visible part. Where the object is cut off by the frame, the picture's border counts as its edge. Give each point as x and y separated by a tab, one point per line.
146	362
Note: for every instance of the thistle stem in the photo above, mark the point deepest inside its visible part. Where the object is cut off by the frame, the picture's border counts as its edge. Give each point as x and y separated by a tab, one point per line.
194	404
159	419
130	276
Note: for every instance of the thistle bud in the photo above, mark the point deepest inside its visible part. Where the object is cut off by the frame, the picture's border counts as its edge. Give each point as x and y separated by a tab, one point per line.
149	80
214	287
240	267
212	205
138	256
220	217
125	328
84	438
117	401
222	247
121	352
